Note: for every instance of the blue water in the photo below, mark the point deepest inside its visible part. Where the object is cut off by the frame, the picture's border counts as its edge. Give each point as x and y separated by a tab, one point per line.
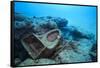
83	17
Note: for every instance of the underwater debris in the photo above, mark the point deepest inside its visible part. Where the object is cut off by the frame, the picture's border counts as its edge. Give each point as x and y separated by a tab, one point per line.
78	46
